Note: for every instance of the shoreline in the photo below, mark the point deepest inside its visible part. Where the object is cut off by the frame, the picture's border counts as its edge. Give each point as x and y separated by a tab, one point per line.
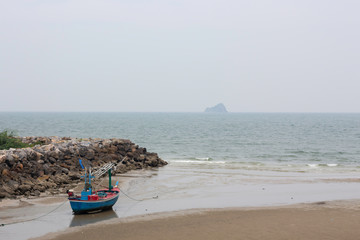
319	220
173	193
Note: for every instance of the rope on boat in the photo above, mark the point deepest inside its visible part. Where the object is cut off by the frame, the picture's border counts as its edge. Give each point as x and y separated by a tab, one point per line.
131	197
138	200
33	219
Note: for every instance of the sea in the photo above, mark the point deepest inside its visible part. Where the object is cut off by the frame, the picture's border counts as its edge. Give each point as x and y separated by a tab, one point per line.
216	161
278	142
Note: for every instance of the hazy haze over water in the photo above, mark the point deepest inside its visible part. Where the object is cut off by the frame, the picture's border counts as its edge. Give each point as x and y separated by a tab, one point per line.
180	56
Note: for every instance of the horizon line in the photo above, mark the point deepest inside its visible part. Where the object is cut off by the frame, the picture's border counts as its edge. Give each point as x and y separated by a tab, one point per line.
300	112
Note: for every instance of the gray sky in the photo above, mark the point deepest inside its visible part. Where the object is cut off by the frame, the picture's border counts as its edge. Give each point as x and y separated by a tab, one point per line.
180	56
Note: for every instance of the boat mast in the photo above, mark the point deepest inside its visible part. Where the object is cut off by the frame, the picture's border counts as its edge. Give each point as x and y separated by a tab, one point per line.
106	168
110	187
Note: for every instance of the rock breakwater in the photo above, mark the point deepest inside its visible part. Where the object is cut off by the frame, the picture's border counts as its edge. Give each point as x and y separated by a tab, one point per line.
53	166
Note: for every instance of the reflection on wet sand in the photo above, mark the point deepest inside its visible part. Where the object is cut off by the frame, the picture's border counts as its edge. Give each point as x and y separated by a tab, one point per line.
84	219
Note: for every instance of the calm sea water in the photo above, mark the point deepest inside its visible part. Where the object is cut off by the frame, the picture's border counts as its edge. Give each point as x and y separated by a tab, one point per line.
249	141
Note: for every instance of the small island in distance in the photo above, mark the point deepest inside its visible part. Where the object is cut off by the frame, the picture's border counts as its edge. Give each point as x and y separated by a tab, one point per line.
219	108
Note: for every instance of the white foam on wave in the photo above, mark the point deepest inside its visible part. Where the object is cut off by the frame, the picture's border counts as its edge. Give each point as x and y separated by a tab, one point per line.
219	162
203	158
313	165
198	162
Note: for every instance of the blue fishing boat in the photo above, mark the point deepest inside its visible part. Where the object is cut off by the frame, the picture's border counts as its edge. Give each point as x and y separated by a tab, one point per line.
93	201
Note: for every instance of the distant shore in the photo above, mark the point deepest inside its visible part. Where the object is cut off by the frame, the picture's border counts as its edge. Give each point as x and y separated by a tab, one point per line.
321	220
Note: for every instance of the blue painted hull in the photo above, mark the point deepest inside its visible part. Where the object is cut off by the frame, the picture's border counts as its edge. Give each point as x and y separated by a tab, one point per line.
83	206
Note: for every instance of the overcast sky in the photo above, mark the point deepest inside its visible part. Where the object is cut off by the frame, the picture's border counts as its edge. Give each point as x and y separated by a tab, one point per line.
180	56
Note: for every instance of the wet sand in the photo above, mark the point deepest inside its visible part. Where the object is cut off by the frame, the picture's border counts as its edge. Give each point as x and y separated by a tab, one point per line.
322	220
190	203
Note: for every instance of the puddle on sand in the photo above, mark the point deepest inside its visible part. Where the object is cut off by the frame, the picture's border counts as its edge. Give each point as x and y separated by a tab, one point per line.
84	219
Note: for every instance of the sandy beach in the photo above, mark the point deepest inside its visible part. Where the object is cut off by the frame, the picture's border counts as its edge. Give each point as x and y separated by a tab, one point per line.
175	203
321	220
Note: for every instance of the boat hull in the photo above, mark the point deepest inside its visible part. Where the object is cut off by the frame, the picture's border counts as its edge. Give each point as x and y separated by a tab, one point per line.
84	206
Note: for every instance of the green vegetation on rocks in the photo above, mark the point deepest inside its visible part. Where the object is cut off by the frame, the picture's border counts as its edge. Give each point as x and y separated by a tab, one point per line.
8	140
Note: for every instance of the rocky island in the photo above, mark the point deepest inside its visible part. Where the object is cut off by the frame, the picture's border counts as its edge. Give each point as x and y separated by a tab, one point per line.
53	166
219	108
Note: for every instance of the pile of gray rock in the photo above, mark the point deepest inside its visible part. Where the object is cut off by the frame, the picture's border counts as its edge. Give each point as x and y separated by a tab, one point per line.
53	166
